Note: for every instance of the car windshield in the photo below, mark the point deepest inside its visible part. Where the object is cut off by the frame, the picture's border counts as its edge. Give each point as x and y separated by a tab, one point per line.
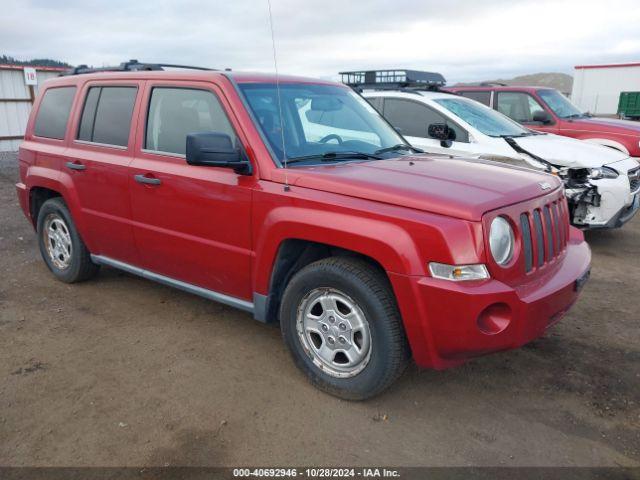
482	118
321	123
560	104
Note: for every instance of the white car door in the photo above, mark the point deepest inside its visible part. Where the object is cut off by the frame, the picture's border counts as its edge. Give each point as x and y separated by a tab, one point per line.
412	119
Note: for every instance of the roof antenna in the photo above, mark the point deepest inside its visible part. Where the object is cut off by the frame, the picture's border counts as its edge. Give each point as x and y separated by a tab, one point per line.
275	64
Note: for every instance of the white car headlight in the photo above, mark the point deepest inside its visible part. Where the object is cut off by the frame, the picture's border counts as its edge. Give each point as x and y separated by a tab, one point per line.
501	240
602	172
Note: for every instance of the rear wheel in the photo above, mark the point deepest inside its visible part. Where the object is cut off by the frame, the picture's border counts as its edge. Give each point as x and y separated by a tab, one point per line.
61	247
341	324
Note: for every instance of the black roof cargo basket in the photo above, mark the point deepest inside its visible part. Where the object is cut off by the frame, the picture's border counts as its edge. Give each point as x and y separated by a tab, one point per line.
393	79
130	66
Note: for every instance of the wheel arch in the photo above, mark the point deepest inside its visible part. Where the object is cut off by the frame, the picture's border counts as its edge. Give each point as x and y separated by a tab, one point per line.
42	186
37	196
294	254
292	237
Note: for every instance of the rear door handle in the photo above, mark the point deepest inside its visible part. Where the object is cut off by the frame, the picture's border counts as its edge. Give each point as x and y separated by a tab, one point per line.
75	166
148	180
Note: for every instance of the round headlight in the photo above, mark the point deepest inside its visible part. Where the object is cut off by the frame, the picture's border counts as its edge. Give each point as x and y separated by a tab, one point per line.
501	240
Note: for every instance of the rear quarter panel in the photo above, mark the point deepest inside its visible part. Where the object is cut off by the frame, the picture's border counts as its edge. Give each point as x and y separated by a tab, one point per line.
41	159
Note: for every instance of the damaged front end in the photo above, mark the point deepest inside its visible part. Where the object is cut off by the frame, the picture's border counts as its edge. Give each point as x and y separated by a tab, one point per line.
598	197
582	195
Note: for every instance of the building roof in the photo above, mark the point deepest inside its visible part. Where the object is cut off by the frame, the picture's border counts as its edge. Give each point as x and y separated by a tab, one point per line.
608	65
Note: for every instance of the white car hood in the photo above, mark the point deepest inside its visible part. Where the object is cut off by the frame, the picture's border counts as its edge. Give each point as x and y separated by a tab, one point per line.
568	152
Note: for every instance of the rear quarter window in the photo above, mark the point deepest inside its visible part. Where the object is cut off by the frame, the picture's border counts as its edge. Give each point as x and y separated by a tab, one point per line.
53	114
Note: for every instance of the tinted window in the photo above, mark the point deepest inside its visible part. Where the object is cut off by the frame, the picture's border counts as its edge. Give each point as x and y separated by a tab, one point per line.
176	112
413	118
519	106
88	115
376	102
106	117
482	97
53	114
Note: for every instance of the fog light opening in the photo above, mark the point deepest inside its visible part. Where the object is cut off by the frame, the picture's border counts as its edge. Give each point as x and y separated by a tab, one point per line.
494	319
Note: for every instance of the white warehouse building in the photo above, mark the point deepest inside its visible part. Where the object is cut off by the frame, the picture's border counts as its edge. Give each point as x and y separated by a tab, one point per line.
597	88
18	87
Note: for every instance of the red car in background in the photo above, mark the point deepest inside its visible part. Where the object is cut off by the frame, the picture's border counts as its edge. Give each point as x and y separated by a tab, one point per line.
547	110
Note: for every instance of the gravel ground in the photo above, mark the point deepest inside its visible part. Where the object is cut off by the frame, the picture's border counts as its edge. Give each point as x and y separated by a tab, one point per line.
122	371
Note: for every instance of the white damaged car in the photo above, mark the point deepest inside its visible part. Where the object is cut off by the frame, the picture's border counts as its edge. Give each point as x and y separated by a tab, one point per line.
601	184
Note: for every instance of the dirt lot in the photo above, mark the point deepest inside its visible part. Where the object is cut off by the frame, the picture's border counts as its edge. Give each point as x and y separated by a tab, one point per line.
122	371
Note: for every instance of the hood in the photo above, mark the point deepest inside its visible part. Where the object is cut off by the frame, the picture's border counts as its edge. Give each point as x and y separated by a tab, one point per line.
568	152
456	187
613	125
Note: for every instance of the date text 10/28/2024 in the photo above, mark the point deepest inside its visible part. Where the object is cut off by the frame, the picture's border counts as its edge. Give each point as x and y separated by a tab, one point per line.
316	472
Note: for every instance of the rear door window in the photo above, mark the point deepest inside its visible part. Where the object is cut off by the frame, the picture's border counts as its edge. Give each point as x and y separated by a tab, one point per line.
106	117
53	114
481	96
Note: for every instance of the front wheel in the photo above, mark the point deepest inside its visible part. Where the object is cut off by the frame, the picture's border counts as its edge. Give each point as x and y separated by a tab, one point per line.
341	324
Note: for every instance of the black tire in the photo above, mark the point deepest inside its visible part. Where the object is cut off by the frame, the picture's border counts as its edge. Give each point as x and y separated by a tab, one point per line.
370	289
80	267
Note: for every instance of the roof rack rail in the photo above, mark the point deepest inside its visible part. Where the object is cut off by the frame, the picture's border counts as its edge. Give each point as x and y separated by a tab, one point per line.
393	79
130	66
492	84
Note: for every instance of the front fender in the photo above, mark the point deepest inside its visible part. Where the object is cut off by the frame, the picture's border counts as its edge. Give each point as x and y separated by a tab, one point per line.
388	244
607	142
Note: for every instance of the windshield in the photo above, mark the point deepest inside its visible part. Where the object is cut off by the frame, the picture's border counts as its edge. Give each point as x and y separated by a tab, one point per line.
484	119
319	120
560	104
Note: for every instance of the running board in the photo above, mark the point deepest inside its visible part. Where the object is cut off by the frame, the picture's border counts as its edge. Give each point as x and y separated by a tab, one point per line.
187	287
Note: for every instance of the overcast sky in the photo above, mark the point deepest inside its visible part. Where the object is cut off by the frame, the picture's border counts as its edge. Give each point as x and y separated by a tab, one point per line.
463	39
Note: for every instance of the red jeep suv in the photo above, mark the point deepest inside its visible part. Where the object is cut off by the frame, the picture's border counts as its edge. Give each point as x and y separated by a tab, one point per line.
547	110
294	200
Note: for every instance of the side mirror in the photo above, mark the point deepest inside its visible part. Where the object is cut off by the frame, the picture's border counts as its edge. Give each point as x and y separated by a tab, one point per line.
542	116
213	149
442	132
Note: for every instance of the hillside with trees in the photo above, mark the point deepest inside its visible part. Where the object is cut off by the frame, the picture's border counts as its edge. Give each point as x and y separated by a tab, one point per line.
40	62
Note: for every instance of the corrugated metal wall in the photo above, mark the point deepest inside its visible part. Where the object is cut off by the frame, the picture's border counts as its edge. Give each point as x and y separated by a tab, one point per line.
15	104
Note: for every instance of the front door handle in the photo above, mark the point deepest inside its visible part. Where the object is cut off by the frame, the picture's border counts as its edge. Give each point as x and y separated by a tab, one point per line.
75	166
147	180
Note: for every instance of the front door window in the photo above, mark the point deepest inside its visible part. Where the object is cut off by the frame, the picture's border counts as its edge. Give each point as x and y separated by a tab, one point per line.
519	106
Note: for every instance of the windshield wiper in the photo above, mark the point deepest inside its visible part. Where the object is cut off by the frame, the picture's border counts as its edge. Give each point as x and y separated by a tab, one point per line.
513	144
519	135
332	156
397	147
575	115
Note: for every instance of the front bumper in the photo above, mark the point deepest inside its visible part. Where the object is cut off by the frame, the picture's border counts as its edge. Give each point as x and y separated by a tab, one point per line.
625	214
617	205
617	199
448	323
